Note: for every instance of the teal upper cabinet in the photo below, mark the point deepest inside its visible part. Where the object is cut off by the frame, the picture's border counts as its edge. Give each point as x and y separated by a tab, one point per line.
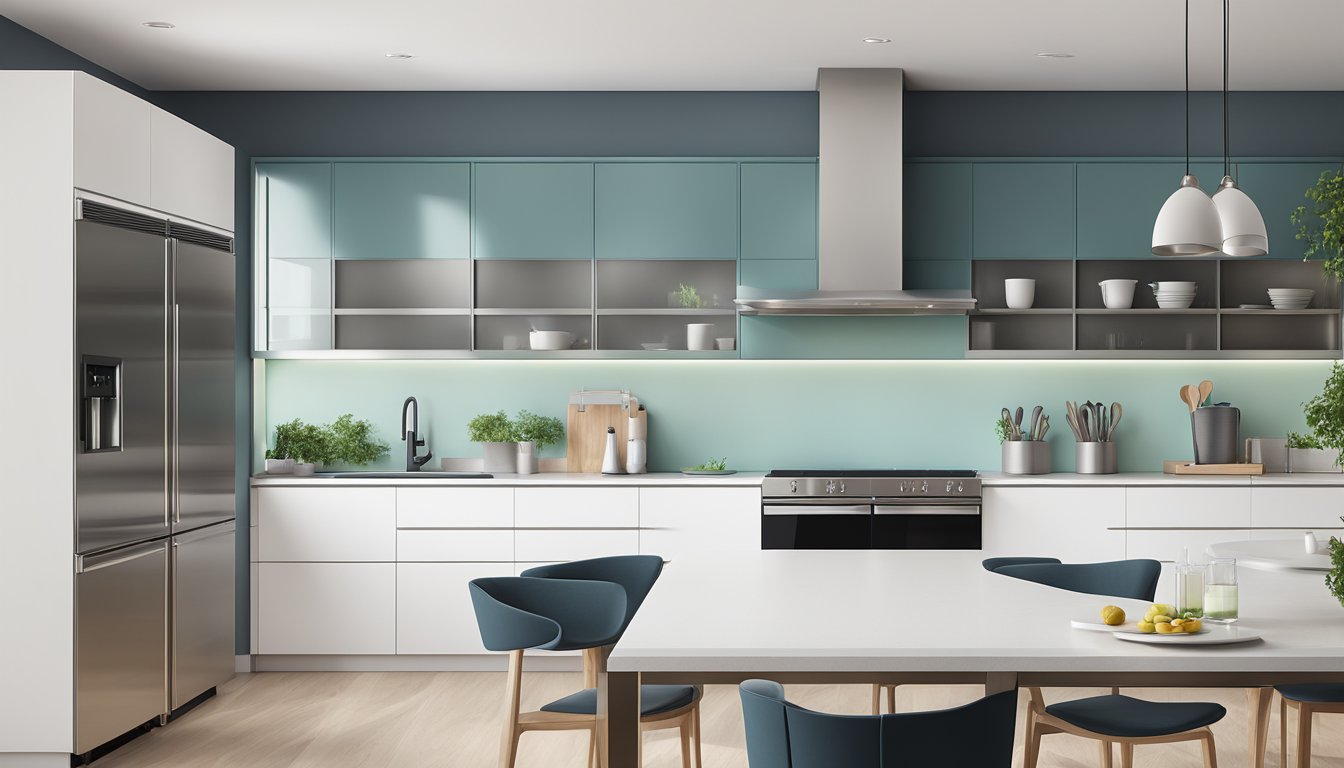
665	210
780	274
937	211
534	211
294	210
1023	211
1277	188
1118	203
779	211
411	210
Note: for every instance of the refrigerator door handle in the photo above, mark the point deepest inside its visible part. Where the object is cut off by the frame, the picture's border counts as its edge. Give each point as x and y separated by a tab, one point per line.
88	563
175	488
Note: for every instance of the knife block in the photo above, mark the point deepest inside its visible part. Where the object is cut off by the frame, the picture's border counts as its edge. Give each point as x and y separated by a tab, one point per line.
586	435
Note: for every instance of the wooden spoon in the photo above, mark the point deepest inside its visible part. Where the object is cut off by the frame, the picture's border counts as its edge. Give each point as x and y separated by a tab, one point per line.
1205	389
1190	396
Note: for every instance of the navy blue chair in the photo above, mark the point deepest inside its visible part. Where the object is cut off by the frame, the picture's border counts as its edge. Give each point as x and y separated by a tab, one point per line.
995	563
784	735
1307	699
1112	719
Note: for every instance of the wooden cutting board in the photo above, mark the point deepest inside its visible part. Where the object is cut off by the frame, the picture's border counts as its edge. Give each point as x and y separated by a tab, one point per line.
1179	467
586	436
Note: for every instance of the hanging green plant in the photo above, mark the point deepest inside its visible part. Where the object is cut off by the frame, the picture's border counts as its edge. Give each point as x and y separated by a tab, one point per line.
1334	580
1321	224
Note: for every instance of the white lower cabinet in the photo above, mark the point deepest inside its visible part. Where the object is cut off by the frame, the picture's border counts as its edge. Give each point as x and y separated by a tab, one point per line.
326	608
1161	522
550	507
434	611
538	546
1077	525
681	522
1310	508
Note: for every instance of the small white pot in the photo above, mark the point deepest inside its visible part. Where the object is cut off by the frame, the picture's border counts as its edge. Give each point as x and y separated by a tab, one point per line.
527	458
1019	292
727	343
700	336
304	470
1118	294
501	458
279	466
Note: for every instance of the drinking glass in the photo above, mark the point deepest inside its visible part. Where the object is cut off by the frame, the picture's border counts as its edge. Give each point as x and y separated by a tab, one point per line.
1190	589
1220	590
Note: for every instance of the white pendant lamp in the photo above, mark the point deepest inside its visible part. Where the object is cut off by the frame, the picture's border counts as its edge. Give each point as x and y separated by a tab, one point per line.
1242	226
1188	224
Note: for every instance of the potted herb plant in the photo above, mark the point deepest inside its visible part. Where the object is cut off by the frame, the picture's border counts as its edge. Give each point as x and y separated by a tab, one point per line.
1022	452
1321	225
353	442
499	437
303	445
1334	578
535	432
1320	449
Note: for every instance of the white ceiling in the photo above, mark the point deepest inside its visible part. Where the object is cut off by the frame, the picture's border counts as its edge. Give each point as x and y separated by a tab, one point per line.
690	44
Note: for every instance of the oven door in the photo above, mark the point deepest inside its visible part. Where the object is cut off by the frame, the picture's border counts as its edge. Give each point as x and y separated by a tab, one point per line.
816	524
926	524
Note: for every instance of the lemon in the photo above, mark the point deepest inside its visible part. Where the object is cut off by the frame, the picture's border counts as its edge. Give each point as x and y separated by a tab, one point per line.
1192	626
1164	628
1147	627
1161	609
1112	615
1161	618
1177	622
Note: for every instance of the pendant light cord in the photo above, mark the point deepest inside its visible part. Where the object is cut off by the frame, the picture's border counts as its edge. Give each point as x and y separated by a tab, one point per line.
1227	130
1187	87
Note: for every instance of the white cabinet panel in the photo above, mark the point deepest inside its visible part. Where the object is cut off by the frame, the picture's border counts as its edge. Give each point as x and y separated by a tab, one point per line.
455	508
1072	524
1310	508
683	522
434	613
449	545
1166	545
254	604
344	608
576	507
327	524
113	153
192	171
546	546
1201	507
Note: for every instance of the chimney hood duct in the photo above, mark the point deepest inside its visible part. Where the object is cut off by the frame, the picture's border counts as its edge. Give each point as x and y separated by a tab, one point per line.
859	177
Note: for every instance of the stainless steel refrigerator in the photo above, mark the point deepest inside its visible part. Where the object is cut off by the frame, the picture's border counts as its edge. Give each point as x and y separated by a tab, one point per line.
154	479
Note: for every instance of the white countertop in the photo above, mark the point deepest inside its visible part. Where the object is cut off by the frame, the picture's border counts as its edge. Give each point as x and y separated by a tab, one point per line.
1159	478
876	611
668	479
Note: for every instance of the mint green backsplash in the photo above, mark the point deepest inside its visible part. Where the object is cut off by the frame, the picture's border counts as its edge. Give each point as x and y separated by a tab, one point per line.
825	414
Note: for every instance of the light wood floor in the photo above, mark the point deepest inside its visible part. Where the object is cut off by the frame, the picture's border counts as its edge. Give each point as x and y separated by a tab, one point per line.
452	719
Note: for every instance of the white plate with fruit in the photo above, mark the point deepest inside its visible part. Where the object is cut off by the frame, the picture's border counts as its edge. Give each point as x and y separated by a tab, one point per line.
1158	620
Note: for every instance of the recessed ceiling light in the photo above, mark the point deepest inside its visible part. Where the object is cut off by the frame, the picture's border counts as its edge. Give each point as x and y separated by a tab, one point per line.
877	39
160	24
1052	55
399	55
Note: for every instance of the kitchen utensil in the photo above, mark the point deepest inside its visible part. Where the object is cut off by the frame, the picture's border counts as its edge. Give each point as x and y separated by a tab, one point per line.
1117	293
1071	416
1084	426
1019	292
1205	389
1008	420
1217	434
1099	420
1035	423
550	340
1045	427
1117	412
1017	422
1190	396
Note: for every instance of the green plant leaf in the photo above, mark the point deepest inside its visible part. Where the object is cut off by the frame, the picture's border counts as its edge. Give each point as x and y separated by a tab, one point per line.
542	430
492	428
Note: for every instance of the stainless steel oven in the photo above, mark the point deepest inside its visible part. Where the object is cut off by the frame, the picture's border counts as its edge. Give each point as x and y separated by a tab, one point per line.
870	509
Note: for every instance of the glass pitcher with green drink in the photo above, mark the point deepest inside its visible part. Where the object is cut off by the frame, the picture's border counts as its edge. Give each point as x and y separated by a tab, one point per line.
1220	590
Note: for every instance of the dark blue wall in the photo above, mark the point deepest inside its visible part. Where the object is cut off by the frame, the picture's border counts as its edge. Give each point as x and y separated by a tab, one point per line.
22	48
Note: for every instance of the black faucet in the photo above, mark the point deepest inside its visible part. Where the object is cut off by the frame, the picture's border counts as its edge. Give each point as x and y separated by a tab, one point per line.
409	434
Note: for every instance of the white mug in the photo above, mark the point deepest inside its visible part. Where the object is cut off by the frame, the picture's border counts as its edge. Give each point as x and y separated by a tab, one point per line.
1019	292
1118	293
700	336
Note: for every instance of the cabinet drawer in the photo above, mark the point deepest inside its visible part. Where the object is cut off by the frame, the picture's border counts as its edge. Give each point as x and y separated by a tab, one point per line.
1204	507
1167	545
547	546
434	612
1309	508
327	524
576	507
684	522
1076	525
446	546
342	608
454	507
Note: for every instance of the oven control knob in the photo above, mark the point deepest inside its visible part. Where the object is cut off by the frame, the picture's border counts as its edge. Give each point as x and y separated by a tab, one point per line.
949	486
830	486
842	487
793	486
959	488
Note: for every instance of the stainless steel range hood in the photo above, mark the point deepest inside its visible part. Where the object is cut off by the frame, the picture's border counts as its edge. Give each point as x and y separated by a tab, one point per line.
859	177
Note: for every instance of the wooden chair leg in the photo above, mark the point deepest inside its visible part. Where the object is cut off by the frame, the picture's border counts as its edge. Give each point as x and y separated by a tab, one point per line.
1258	701
592	747
877	699
1303	735
685	731
514	690
699	738
1126	755
1283	732
1210	752
1031	741
1107	754
891	699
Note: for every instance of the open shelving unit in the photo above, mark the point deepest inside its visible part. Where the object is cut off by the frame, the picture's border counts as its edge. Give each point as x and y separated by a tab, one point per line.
1069	320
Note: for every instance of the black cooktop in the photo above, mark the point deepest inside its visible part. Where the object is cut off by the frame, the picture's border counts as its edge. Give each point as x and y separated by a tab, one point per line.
871	473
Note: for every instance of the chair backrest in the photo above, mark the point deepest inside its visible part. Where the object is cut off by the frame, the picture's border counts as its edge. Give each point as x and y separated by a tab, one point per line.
1135	579
995	563
635	573
514	613
784	735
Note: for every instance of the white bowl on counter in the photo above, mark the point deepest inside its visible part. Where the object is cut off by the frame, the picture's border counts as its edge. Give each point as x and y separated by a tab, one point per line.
550	341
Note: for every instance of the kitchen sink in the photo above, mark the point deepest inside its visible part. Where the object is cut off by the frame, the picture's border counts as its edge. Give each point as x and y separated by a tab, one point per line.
393	474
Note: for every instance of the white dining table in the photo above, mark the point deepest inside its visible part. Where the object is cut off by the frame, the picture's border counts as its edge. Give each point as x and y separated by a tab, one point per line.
937	616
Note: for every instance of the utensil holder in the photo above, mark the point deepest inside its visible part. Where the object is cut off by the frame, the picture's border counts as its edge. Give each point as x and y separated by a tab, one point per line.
1217	433
1095	458
1026	457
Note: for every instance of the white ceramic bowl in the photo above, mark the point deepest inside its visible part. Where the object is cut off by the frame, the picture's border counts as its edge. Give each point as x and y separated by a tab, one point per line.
1118	293
1019	292
550	340
1175	285
1184	303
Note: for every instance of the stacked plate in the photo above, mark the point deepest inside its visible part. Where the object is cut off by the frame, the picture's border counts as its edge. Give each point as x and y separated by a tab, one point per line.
1174	294
1290	298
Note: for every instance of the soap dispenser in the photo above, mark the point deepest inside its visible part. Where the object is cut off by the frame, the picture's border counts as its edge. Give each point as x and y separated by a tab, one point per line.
636	446
611	459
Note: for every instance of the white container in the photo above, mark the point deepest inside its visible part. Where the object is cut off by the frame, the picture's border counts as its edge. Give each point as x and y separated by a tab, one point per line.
304	470
700	336
727	343
1309	543
1312	460
636	456
1019	292
279	466
500	458
1118	293
1179	286
527	458
550	340
611	457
